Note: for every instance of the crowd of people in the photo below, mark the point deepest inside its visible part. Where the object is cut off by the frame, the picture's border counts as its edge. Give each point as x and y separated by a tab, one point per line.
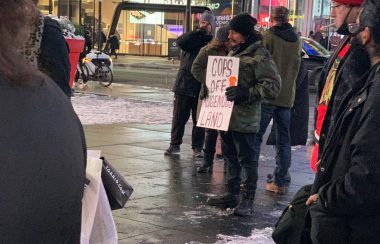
344	195
43	181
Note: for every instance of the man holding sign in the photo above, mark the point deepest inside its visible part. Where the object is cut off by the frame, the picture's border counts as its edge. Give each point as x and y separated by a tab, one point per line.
258	80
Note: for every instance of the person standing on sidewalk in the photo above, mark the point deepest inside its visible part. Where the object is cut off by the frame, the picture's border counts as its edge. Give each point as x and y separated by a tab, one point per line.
258	81
219	46
186	88
47	50
344	207
349	62
42	144
285	47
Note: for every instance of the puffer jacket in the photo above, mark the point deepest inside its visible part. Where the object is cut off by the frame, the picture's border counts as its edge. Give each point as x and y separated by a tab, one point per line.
257	73
285	47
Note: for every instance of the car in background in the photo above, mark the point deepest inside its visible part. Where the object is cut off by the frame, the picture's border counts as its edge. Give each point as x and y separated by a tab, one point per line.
315	56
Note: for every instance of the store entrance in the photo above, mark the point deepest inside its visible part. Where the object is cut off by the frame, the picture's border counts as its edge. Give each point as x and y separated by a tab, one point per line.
150	29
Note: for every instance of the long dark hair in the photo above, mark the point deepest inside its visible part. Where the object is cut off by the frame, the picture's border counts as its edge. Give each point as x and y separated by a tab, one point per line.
16	18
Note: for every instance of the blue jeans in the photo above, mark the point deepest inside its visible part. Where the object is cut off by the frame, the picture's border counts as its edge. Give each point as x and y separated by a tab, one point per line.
281	119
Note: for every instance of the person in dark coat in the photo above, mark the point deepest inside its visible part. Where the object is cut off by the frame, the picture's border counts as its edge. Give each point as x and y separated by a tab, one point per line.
42	145
186	88
346	192
219	46
349	62
259	80
285	47
299	113
47	49
114	44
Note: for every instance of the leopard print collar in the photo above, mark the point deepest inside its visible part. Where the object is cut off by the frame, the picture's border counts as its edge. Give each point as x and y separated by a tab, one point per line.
31	49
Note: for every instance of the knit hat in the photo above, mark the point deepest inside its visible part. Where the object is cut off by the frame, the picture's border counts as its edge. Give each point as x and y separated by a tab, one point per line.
244	24
350	2
209	17
222	33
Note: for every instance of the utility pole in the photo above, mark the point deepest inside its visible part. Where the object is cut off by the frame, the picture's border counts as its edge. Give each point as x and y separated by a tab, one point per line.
100	43
59	8
188	15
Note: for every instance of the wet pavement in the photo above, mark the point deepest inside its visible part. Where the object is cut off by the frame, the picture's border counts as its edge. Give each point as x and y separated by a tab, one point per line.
169	200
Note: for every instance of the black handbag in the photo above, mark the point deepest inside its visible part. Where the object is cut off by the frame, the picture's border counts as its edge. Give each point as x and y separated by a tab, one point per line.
292	227
117	188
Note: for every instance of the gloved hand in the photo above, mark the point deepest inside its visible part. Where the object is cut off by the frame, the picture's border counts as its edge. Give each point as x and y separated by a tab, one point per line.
237	93
203	94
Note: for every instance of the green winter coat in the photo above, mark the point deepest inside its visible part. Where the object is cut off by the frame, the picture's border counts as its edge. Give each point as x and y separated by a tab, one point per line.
199	67
285	47
258	73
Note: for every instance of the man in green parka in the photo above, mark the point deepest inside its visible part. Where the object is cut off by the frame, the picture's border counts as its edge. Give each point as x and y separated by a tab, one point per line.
258	81
285	47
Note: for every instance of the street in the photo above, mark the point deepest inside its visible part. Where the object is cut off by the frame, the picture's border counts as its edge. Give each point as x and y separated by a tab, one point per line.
130	122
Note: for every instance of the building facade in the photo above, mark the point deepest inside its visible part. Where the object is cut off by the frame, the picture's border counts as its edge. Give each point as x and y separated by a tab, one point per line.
153	32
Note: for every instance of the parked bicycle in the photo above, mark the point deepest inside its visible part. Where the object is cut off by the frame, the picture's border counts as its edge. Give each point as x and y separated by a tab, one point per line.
96	66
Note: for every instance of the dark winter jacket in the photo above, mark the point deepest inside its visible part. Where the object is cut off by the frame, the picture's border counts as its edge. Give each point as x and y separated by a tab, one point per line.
348	177
114	42
299	112
258	74
42	151
285	47
351	68
190	44
54	55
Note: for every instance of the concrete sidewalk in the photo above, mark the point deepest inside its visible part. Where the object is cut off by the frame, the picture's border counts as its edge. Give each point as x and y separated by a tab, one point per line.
169	201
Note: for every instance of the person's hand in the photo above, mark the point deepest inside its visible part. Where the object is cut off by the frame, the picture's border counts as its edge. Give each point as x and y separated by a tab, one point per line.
312	199
204	92
237	93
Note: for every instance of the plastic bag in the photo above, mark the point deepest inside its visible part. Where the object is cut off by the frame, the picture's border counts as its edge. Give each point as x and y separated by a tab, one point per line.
98	226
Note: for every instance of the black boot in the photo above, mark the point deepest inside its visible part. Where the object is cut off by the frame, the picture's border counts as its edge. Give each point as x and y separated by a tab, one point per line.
245	207
227	200
206	165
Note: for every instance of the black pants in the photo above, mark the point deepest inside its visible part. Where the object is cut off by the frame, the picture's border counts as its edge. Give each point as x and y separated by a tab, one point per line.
210	144
183	106
238	151
113	52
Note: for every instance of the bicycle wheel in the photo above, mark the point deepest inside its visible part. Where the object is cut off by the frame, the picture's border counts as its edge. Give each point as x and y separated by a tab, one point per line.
104	75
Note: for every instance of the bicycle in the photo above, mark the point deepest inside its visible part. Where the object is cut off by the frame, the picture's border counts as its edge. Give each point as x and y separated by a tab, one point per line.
96	69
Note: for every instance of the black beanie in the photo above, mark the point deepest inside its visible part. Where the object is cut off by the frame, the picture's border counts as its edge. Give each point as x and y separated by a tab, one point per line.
244	24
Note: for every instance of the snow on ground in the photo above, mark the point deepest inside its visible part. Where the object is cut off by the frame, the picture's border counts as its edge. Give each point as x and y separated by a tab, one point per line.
258	236
94	109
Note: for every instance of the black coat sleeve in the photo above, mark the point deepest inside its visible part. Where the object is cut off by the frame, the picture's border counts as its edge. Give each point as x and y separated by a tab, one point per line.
193	41
54	55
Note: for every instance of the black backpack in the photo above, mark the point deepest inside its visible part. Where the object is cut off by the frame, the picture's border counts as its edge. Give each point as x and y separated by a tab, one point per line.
293	227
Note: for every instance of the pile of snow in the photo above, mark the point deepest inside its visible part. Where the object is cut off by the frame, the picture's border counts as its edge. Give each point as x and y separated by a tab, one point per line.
258	236
94	109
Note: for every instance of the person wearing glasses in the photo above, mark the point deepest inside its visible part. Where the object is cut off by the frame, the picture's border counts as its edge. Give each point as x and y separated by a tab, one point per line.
349	62
344	208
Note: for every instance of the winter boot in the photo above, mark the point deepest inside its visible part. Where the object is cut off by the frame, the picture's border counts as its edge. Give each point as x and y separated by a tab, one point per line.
207	162
227	200
197	153
172	150
205	167
245	207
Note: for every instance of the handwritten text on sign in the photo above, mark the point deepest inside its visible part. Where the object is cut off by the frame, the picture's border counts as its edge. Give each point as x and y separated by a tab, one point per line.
216	110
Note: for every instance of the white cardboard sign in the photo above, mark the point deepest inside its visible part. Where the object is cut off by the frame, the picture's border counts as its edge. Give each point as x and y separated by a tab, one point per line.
215	112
